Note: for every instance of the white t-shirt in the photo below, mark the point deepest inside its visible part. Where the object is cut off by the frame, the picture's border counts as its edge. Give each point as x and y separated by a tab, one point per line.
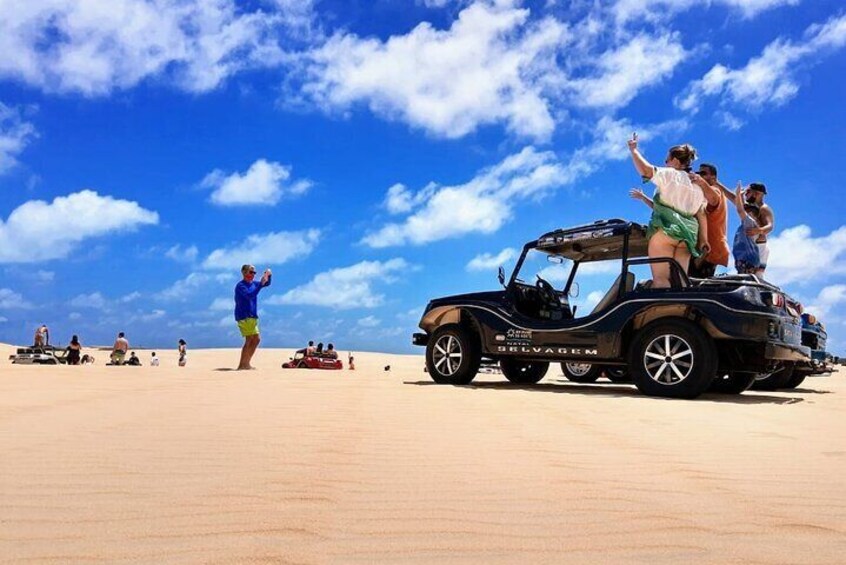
677	191
154	362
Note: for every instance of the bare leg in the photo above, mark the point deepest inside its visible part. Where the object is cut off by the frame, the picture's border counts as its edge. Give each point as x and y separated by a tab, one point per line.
256	340
682	256
661	245
245	354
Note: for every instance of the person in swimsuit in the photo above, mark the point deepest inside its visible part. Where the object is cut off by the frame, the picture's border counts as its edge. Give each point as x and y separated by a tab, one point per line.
755	194
747	258
678	229
183	353
42	336
73	351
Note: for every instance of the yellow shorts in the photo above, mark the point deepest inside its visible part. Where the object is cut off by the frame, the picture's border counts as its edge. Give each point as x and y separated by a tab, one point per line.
248	327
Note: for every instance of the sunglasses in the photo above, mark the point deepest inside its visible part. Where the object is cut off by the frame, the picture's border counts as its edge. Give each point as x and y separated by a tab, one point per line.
251	272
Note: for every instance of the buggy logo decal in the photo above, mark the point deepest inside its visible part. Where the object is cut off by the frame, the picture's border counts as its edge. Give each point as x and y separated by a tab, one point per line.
535	350
515	334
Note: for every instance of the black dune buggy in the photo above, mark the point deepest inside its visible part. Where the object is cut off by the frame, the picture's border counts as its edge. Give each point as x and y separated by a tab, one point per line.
671	342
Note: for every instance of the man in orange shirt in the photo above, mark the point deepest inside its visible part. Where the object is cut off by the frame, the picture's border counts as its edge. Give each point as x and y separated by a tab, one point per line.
717	217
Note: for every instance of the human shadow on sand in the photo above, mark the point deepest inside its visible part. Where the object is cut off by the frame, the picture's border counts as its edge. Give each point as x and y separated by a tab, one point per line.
618	391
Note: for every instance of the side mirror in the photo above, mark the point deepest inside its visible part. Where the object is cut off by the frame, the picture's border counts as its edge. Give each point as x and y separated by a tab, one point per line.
501	276
574	290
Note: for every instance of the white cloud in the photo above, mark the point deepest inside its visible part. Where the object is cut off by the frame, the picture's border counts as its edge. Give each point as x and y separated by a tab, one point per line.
97	47
3	320
486	261
184	289
798	257
345	287
15	134
482	205
560	273
94	300
74	316
627	10
44	276
622	71
369	322
154	315
220	304
488	67
182	254
826	301
10	299
131	297
272	248
38	231
486	202
768	79
264	183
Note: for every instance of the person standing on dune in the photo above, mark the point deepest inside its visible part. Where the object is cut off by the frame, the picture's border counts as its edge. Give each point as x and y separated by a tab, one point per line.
246	311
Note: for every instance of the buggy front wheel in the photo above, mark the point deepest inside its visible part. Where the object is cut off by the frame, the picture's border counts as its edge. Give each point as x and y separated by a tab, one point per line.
452	355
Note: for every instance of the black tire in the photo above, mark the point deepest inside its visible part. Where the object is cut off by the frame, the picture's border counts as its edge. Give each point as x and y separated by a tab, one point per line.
676	378
523	372
581	372
617	374
775	380
795	380
446	368
735	383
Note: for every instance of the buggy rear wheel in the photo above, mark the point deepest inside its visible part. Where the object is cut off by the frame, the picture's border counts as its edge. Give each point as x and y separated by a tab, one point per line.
452	355
795	380
523	372
581	372
673	358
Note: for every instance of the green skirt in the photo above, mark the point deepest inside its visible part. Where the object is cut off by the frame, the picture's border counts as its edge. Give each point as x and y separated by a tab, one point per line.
679	226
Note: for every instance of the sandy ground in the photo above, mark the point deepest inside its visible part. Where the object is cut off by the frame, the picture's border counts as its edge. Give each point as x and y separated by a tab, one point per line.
202	465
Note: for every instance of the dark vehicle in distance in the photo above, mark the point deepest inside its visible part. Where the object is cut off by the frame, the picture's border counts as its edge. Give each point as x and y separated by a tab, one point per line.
673	342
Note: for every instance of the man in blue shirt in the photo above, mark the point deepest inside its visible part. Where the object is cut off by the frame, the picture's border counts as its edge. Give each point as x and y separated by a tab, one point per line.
246	312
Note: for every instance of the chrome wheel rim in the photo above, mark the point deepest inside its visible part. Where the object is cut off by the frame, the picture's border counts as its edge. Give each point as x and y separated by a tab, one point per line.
579	369
447	355
668	359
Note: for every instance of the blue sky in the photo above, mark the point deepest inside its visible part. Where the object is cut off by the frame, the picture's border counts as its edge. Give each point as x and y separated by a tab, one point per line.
378	154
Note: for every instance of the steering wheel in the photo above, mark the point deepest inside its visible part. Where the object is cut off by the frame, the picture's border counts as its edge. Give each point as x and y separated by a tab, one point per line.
546	291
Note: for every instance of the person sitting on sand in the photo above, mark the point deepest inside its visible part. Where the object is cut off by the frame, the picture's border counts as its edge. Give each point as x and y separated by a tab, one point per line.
309	351
678	229
87	359
154	361
73	350
119	349
133	360
42	336
183	353
330	352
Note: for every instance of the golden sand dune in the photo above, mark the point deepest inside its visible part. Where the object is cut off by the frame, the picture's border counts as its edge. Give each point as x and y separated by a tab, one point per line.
169	465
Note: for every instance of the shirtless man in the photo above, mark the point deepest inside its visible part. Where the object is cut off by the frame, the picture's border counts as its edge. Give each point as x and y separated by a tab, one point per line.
766	219
119	349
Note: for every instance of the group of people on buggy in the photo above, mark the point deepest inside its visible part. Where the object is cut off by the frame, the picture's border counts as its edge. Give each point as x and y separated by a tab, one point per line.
690	217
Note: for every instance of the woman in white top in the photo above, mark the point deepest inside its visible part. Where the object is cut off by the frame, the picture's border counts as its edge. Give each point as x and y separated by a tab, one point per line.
678	228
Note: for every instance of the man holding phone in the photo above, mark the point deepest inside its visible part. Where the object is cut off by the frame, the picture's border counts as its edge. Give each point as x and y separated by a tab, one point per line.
246	311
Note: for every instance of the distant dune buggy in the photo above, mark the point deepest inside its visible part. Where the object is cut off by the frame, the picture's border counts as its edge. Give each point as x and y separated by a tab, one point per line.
318	361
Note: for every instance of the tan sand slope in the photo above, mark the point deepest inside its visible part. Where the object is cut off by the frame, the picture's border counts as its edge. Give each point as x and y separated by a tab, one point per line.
162	465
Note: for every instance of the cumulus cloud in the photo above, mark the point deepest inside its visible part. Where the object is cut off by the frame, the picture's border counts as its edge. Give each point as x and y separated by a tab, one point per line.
829	298
482	205
369	322
770	78
626	10
264	183
796	256
487	261
10	299
97	47
38	230
345	287
94	300
272	248
487	68
485	203
621	72
182	254
15	134
187	287
220	304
